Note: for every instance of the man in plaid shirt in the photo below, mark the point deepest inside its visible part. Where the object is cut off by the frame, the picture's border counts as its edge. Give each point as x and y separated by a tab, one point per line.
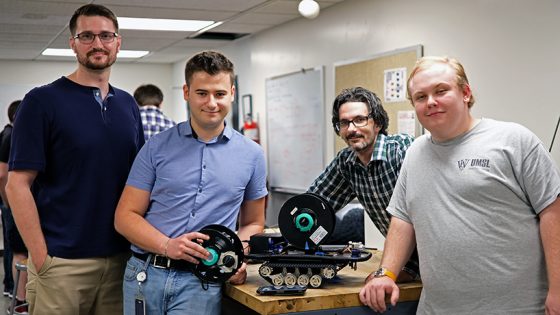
149	97
368	168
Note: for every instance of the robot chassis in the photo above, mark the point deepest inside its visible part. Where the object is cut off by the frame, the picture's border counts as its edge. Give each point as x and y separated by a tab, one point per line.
305	221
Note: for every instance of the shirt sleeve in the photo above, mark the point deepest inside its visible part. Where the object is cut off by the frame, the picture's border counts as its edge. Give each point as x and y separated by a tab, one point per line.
143	173
29	136
397	205
332	185
256	188
139	126
537	174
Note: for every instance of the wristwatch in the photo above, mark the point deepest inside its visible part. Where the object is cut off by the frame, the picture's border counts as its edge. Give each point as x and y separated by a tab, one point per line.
382	272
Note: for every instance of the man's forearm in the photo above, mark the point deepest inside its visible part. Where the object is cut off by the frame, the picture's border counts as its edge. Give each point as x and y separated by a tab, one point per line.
130	221
139	232
26	217
245	233
398	246
251	220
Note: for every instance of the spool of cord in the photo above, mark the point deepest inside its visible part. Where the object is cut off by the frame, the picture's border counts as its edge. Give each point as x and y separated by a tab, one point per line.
306	220
226	254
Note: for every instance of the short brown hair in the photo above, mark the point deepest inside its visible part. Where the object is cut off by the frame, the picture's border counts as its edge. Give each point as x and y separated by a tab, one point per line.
148	94
211	62
92	10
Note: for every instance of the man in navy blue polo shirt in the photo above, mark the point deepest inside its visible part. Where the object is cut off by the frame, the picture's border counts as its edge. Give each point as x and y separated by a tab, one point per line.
73	143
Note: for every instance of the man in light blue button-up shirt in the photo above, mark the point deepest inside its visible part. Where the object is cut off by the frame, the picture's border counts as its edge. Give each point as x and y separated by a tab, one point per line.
197	173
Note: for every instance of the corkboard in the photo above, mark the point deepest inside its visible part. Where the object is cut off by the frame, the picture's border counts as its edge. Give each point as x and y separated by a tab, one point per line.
369	73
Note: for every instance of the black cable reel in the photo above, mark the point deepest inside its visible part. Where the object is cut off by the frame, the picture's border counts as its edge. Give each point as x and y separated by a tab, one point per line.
306	221
226	254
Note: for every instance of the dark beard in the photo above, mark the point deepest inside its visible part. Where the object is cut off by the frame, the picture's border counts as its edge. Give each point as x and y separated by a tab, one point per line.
95	66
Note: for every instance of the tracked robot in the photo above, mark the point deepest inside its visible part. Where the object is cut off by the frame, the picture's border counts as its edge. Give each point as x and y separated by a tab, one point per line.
297	256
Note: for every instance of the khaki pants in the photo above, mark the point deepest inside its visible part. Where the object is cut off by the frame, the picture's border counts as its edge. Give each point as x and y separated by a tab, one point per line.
90	286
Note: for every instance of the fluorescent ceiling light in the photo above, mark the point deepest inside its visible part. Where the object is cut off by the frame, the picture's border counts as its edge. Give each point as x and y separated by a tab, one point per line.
58	52
70	52
162	24
132	53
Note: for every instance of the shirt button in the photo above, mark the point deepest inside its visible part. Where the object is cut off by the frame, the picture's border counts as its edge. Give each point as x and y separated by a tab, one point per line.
203	167
192	214
200	190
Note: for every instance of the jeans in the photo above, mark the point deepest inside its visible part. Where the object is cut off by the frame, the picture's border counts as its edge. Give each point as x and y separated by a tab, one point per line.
168	291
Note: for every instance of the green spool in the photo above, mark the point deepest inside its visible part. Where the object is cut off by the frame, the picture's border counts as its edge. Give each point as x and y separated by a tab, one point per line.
301	217
213	260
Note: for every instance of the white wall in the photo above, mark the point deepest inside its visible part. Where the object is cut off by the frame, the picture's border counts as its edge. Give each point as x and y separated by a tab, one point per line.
19	76
509	48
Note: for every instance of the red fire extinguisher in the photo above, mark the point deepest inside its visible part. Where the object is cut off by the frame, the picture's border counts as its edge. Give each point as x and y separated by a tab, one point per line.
250	126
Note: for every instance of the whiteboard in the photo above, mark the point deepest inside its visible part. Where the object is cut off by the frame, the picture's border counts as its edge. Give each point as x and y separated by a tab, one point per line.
295	127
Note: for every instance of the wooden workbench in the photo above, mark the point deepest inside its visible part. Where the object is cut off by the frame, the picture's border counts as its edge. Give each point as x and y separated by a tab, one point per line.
341	293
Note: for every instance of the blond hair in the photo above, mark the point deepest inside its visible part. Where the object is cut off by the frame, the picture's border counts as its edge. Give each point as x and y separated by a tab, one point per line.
426	62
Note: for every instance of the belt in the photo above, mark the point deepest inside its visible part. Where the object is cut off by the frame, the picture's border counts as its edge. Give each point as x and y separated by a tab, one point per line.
163	262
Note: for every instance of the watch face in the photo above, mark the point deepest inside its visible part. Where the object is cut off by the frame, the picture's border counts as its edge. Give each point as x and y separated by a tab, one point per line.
379	272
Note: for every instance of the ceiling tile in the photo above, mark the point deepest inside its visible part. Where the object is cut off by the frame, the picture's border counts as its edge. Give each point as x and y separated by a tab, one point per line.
28	26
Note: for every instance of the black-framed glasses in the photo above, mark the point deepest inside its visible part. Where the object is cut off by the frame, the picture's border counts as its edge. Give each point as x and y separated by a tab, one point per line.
89	37
358	121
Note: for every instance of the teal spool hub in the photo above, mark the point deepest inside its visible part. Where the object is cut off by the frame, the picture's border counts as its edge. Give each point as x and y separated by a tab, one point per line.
213	259
304	222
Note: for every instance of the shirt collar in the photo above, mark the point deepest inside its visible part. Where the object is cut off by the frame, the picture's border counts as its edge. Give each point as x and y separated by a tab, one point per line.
150	107
379	152
185	129
97	95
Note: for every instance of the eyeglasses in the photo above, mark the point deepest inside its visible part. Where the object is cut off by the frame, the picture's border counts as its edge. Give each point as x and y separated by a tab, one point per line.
89	37
358	121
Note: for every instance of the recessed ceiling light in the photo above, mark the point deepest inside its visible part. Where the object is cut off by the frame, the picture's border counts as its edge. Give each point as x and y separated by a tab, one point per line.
309	8
70	52
162	24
